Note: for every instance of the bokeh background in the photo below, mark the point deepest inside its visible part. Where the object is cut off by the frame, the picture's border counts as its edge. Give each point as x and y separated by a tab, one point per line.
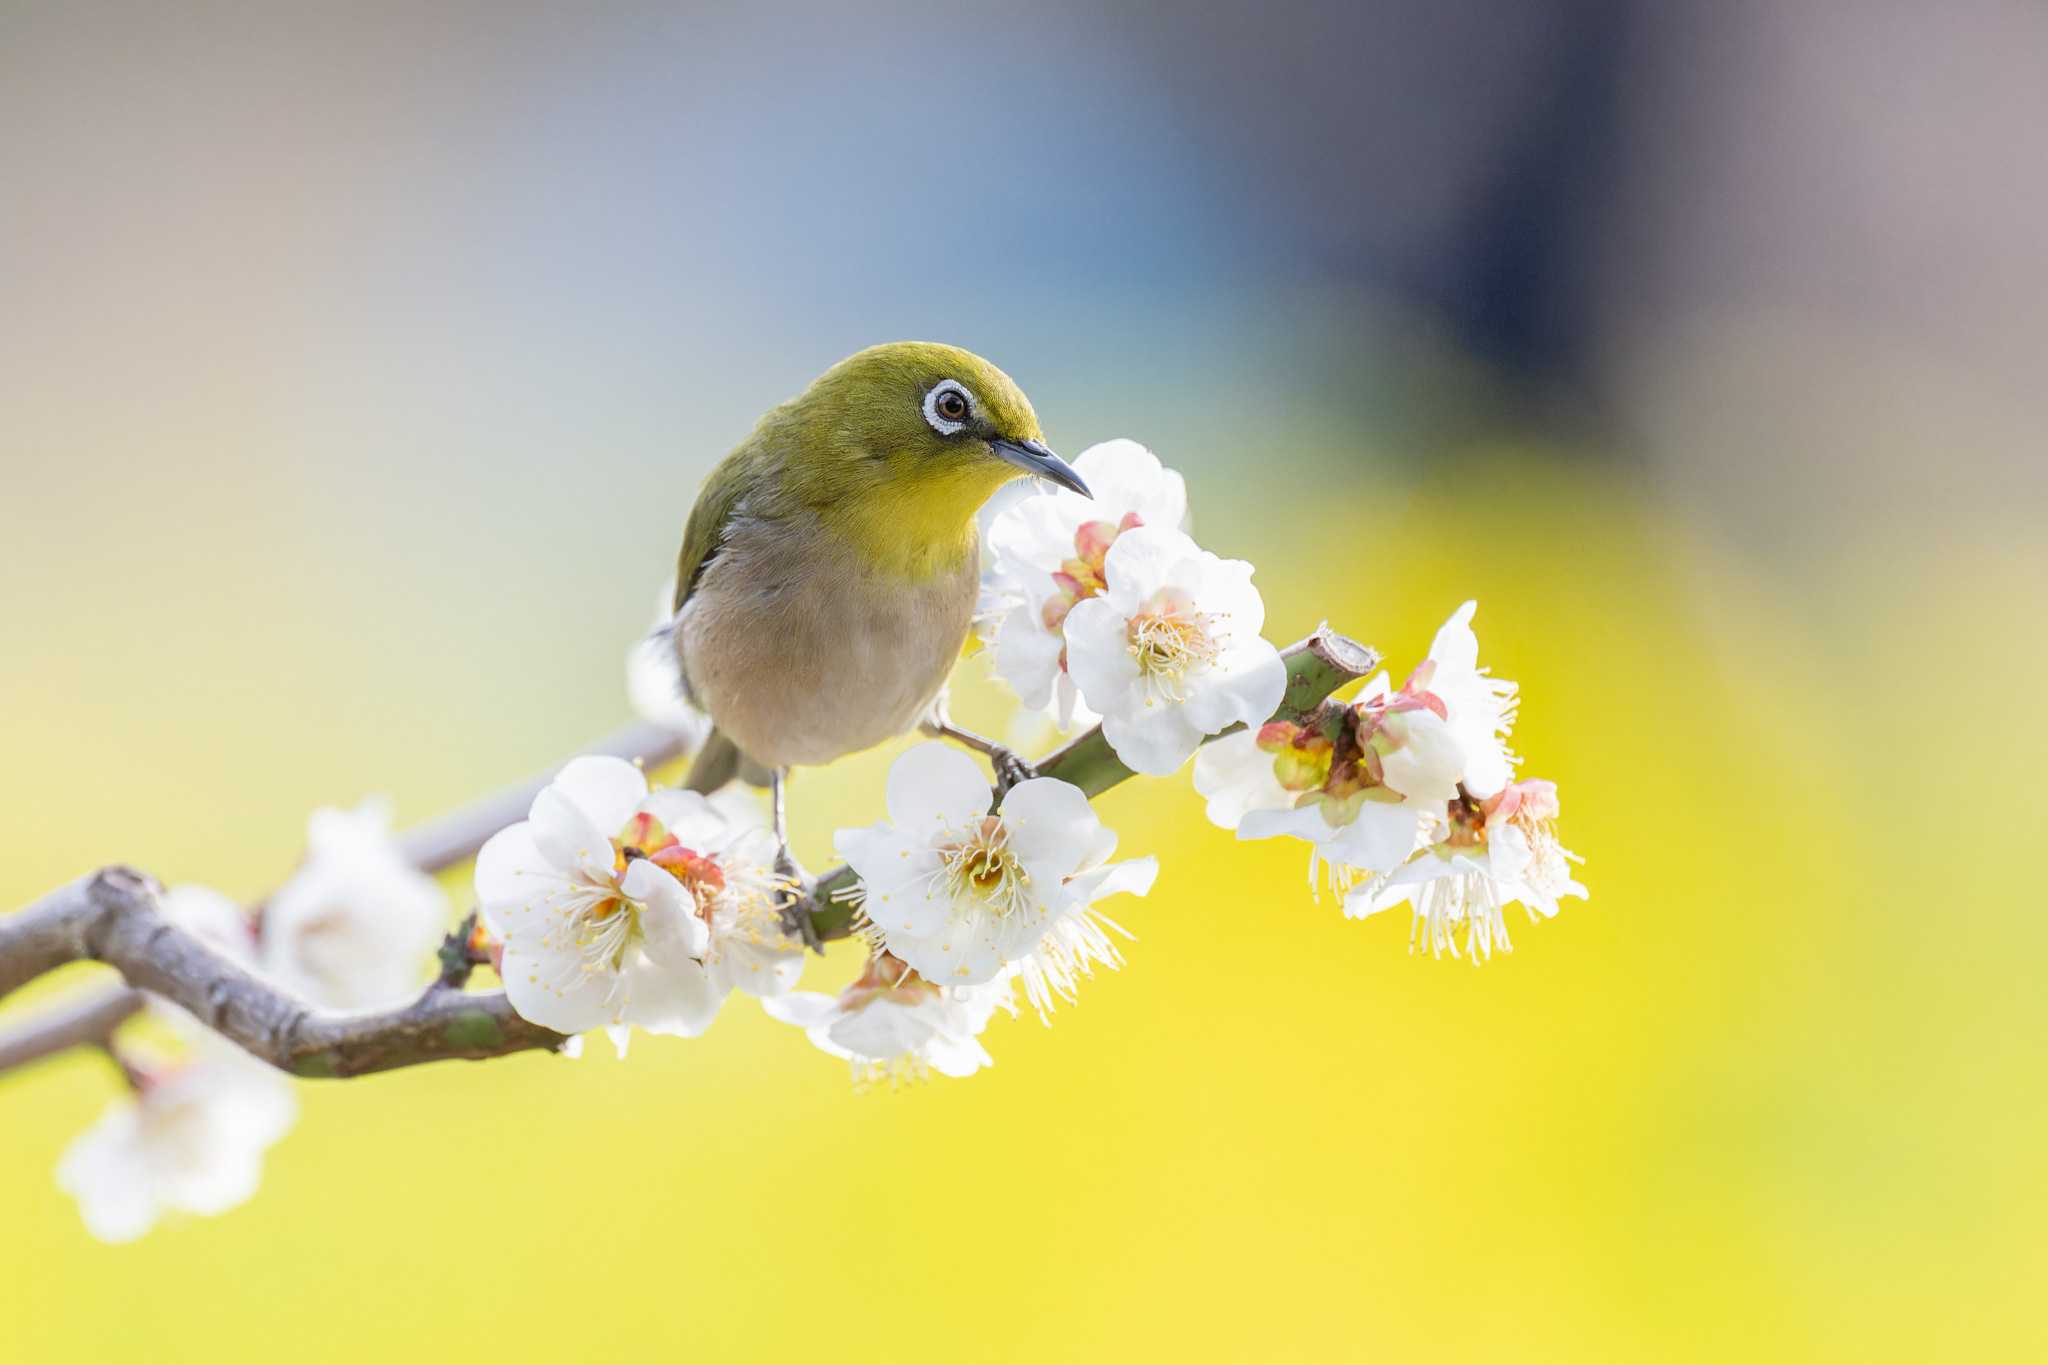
358	367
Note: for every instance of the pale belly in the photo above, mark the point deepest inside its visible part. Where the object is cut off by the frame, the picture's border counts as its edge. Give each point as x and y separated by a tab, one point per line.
799	665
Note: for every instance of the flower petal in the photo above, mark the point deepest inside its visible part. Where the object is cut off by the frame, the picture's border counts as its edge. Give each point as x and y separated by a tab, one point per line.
760	971
1379	837
881	1030
678	1001
690	816
1154	740
1141	562
966	951
1028	655
552	989
607	790
1236	776
512	876
1426	759
1133	877
932	787
957	1056
899	873
1247	692
1455	647
1099	658
1126	477
567	839
1298	822
673	933
805	1009
1052	827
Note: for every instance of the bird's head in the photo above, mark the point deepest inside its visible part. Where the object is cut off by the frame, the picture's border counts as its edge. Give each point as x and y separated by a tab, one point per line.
906	441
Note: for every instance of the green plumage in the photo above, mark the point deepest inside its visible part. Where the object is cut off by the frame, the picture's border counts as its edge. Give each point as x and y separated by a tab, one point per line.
828	572
856	450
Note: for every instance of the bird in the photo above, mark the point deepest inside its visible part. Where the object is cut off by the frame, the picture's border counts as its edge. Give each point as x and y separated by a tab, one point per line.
830	566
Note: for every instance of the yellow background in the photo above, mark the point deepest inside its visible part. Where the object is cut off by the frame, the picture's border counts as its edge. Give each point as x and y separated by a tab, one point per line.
1770	1094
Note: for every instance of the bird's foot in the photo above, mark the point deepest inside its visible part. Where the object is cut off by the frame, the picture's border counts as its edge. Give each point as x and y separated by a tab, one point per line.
793	900
1009	768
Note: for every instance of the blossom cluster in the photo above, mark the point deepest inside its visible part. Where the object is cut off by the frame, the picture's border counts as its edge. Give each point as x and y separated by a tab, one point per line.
1406	796
616	905
353	928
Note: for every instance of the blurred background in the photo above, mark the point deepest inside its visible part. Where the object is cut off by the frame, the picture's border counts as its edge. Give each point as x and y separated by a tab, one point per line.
358	368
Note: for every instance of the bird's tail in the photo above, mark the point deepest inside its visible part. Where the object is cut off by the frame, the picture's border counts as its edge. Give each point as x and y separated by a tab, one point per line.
717	762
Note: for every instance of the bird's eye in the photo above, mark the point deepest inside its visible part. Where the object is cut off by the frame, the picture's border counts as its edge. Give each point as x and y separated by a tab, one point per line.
947	408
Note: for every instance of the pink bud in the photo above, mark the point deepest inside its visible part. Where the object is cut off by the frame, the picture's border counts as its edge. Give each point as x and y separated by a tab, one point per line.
1276	735
1093	539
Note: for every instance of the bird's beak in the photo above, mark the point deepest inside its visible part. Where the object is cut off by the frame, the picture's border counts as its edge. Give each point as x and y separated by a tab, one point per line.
1036	457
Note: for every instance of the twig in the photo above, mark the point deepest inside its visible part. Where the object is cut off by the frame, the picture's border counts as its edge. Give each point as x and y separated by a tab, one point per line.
456	837
112	917
87	1018
49	933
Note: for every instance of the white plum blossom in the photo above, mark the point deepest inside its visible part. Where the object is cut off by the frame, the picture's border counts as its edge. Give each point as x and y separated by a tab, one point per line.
356	924
190	1139
962	893
1170	652
1360	781
1045	552
893	1025
1483	855
1478	709
616	906
1323	782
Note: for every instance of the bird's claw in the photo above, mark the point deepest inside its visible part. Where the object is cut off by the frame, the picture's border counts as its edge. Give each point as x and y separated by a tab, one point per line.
792	901
1009	768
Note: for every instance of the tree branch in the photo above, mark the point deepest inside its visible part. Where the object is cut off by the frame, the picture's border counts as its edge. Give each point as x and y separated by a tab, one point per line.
113	917
53	931
88	1018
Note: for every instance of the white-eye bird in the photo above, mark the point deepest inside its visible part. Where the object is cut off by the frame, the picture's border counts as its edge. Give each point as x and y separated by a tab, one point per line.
830	568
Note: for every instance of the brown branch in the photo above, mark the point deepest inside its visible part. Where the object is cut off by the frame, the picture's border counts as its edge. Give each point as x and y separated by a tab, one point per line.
113	917
54	931
87	1018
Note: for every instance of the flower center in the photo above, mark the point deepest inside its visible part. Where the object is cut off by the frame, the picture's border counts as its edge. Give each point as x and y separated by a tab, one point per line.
603	924
605	928
1170	639
981	866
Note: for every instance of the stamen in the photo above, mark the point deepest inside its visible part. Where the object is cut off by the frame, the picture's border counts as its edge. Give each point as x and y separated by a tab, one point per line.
981	866
1170	639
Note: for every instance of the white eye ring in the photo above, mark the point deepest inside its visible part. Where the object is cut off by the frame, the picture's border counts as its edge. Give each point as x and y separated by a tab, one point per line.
946	426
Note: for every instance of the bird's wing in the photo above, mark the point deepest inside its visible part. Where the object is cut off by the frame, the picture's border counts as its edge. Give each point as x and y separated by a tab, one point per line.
709	520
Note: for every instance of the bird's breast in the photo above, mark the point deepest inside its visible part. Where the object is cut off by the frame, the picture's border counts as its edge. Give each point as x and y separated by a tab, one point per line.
801	652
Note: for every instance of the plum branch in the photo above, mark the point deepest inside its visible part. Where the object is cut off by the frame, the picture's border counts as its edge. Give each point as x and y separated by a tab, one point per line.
113	917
